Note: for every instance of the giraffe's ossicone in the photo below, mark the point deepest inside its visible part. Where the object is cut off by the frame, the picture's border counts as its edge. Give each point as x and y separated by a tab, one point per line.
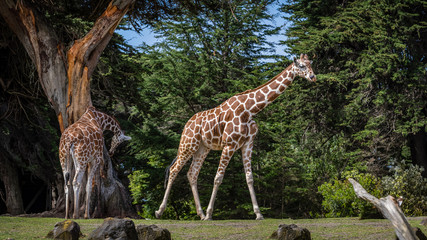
81	147
229	127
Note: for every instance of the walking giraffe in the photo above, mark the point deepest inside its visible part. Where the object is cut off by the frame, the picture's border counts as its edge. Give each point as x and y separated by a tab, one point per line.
83	143
229	127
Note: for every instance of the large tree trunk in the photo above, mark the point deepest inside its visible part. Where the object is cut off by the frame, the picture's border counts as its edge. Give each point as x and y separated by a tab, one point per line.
418	143
44	49
9	176
65	78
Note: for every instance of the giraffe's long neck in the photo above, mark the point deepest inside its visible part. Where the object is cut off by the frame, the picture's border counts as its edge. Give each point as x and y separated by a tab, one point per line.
268	92
108	123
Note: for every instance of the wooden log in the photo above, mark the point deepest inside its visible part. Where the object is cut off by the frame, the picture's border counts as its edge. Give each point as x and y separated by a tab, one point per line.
390	210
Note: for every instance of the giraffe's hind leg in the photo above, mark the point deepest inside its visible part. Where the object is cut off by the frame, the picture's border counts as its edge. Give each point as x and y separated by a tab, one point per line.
189	144
91	174
193	174
67	181
77	182
184	154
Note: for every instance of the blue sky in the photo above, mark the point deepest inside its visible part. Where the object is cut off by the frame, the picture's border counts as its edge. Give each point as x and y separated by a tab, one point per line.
147	36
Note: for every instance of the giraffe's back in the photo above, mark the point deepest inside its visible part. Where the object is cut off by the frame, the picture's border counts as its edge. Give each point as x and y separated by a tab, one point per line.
220	126
84	137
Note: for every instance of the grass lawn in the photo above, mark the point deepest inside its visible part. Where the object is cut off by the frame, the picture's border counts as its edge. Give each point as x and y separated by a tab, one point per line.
325	228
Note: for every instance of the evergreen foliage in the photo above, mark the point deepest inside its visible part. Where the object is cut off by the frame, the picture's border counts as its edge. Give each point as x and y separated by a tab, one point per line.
371	57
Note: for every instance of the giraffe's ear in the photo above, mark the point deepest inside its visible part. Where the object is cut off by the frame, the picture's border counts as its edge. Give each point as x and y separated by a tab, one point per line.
126	138
301	56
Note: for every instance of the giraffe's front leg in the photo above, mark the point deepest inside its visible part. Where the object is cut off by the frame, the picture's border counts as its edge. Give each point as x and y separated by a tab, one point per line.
193	174
227	153
246	156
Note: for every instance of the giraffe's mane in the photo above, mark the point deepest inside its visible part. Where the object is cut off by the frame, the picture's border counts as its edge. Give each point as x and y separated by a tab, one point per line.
266	83
96	111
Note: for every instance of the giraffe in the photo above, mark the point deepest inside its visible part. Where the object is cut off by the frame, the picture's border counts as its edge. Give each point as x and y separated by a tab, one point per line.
83	142
229	127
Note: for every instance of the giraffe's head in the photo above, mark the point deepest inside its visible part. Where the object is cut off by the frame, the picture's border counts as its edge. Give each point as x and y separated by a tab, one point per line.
117	139
302	68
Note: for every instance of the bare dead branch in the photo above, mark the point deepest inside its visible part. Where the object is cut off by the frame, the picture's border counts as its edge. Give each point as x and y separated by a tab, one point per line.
390	209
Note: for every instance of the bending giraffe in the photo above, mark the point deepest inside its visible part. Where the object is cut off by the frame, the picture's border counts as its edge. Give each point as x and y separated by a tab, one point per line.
83	143
229	127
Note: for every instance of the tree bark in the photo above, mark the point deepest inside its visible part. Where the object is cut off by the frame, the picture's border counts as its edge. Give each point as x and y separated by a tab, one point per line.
390	209
65	79
9	177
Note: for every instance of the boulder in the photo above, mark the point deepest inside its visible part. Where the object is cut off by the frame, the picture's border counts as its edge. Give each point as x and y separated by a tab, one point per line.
152	232
291	232
113	228
67	230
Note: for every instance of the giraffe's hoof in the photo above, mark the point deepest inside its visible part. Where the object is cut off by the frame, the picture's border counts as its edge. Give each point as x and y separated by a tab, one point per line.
260	217
207	219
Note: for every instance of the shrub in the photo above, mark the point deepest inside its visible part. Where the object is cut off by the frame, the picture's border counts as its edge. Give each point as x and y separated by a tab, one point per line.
339	199
407	181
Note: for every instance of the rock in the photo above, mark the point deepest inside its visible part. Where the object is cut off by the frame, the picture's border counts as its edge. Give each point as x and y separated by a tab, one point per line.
152	232
424	222
68	230
113	228
291	232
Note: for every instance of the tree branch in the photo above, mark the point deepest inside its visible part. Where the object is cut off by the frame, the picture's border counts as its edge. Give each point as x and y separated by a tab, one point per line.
390	209
84	55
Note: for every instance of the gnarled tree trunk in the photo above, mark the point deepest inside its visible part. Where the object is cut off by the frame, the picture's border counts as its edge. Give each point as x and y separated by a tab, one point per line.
9	176
65	78
418	143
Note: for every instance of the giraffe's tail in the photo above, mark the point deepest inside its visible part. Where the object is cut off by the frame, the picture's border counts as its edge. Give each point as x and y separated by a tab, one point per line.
167	172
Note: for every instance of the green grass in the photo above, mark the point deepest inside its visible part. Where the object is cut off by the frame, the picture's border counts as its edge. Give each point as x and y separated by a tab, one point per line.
325	228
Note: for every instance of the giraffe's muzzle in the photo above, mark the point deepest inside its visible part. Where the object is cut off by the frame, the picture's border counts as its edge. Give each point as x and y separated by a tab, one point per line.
313	78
